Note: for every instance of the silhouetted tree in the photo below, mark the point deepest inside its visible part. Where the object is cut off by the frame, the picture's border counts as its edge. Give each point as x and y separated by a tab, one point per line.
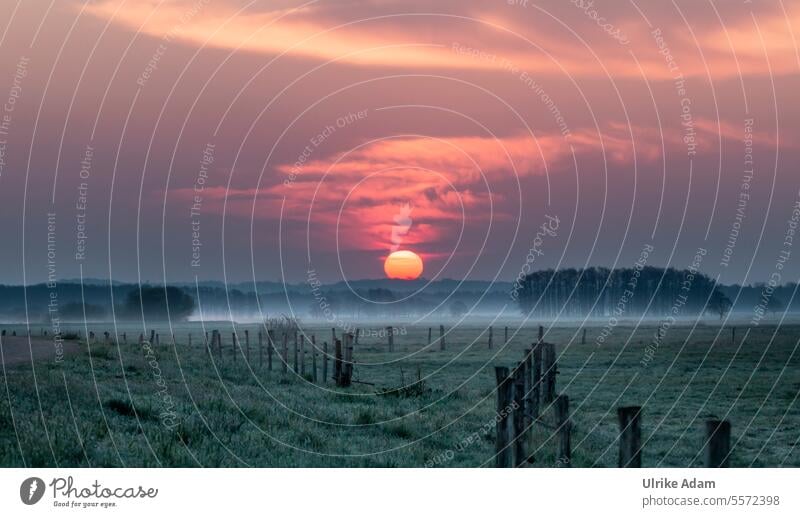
160	303
719	303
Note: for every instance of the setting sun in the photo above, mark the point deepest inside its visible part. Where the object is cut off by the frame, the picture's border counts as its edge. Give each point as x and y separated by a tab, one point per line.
403	265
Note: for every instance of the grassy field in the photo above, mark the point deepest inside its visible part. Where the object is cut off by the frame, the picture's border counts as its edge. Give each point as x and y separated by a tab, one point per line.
109	405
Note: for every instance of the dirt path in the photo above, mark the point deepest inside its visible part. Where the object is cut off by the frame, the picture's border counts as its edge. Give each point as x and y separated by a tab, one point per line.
17	350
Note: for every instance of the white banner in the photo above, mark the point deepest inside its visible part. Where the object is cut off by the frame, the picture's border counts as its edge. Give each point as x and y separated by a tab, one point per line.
385	492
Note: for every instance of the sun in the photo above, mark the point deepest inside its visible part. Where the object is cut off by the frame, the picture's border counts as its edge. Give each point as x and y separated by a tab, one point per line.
403	265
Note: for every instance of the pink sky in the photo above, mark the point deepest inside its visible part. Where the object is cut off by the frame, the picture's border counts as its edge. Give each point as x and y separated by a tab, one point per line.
325	118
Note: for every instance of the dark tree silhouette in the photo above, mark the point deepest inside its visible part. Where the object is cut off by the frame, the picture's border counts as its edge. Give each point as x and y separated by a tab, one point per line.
719	303
600	292
153	302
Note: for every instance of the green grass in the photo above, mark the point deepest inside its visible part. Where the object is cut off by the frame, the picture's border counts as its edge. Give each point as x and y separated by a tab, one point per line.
416	406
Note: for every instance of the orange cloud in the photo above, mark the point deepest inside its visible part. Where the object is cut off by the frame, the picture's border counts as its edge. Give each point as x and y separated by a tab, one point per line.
471	36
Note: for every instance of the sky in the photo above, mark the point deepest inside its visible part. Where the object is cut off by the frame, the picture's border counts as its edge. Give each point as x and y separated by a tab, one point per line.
174	140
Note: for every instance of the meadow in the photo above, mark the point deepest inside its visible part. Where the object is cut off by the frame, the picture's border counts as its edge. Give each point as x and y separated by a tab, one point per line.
175	405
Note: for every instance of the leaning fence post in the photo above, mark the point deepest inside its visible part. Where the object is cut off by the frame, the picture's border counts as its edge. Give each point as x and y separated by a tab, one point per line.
441	337
564	429
503	452
518	405
630	436
718	443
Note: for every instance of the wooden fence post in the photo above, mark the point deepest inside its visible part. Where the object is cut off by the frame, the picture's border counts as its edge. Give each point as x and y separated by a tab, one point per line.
583	339
303	354
125	337
390	338
518	405
630	436
441	337
270	347
505	336
733	335
564	430
536	380
190	339
430	330
314	358
527	359
285	358
260	350
234	342
247	345
718	443
490	337
295	352
503	452
325	362
541	332
333	335
346	375
549	371
337	361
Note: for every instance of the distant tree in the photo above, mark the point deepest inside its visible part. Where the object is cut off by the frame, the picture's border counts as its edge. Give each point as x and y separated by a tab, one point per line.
458	309
153	302
719	303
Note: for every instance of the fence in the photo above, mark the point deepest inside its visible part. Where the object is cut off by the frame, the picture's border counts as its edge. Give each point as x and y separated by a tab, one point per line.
532	382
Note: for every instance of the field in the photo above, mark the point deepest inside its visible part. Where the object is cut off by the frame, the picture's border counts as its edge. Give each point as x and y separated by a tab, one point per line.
121	405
